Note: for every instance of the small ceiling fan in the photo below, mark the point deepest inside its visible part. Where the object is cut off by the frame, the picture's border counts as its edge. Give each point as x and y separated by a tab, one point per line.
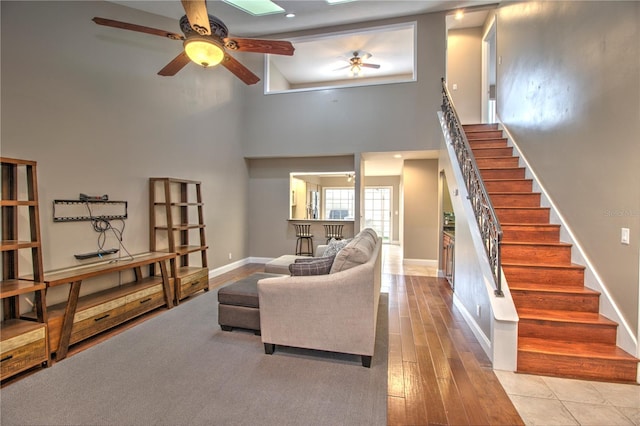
356	63
206	42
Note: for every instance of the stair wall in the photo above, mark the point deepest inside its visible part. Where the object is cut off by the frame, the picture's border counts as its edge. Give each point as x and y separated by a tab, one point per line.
625	336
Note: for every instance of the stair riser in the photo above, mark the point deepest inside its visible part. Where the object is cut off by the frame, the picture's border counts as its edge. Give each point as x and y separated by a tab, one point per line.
515	200
531	255
567	331
488	162
492	152
508	185
575	367
515	173
537	234
543	275
484	126
523	215
482	134
555	301
488	143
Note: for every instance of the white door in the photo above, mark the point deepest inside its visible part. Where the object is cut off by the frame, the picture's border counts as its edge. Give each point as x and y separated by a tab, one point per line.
377	210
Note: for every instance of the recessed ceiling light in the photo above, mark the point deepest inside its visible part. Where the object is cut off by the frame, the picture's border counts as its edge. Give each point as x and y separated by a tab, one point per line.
397	156
290	15
338	1
256	7
459	14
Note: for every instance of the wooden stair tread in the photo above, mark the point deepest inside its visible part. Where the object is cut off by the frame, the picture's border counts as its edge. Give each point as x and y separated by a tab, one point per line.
544	265
565	316
500	168
529	225
513	194
573	349
508	180
489	148
552	288
487	139
536	243
522	208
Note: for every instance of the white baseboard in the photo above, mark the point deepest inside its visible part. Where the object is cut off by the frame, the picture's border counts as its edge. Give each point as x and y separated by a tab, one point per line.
433	263
228	267
482	338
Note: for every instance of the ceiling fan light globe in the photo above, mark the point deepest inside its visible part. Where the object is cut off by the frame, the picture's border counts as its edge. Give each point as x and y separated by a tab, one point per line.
203	51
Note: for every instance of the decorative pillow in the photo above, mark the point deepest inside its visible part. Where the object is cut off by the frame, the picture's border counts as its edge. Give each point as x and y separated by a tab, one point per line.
322	266
357	252
335	246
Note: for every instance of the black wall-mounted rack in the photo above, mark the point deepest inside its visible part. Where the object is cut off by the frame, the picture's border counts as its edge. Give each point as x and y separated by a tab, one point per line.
77	210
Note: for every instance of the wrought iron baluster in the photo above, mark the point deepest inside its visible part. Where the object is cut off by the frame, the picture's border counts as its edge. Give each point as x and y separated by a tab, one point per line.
485	214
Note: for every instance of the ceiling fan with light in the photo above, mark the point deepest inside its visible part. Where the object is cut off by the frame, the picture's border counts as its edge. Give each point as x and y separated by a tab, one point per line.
356	63
206	42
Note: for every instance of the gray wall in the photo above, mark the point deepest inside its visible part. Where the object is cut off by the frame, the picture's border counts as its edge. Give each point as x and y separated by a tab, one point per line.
271	233
464	69
388	117
85	102
569	92
347	121
421	210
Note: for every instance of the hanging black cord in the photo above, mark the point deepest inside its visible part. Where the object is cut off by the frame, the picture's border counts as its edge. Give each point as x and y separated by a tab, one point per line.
102	226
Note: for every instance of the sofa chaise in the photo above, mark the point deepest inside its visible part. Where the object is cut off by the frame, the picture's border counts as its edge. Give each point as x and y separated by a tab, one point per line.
334	312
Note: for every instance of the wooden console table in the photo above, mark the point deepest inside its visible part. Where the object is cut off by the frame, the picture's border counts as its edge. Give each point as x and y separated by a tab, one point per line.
110	305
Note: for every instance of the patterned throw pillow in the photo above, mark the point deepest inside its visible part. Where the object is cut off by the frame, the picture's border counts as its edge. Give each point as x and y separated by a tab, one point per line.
334	247
321	266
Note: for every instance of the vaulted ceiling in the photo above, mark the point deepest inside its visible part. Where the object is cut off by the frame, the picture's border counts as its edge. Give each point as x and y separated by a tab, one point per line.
319	63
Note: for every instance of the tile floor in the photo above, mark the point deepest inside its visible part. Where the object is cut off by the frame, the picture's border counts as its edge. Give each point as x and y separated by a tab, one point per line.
544	400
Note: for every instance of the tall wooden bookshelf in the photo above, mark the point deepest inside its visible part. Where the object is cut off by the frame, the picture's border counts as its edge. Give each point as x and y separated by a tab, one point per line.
177	225
23	343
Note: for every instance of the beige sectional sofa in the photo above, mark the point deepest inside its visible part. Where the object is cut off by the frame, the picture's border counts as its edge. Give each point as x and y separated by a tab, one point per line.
334	312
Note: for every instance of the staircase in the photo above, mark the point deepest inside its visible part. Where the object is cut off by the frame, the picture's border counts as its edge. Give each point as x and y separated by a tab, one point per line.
561	332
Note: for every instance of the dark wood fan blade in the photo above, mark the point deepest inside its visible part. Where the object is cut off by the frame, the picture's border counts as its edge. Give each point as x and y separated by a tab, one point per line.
138	28
376	66
174	66
342	68
274	47
197	14
239	70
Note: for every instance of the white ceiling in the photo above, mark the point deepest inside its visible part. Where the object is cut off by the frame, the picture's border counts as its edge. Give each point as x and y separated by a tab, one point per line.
324	59
310	14
317	61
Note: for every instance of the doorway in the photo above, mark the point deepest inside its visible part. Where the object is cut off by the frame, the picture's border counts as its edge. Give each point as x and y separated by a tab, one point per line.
489	74
377	210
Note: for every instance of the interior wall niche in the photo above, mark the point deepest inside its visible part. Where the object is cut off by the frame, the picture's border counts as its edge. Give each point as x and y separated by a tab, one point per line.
326	61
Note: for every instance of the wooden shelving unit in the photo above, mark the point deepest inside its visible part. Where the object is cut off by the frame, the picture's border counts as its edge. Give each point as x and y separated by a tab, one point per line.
23	343
177	225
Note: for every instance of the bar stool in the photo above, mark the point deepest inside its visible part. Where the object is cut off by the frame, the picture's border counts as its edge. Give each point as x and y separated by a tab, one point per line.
305	237
333	231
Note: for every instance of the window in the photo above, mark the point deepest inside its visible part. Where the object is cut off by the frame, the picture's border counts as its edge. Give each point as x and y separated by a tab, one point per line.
339	203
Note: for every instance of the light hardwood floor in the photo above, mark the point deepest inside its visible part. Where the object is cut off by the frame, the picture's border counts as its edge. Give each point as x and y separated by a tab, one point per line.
438	373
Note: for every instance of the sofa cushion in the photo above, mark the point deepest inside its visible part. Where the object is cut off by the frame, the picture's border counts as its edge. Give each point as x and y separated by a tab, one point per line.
320	266
357	252
335	246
